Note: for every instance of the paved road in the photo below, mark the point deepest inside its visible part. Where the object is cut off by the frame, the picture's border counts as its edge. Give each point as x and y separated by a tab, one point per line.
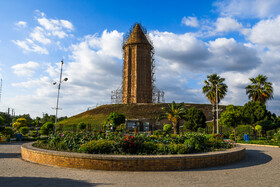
260	168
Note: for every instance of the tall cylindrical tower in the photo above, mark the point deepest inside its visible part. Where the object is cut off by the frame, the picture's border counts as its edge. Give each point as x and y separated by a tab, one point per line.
137	72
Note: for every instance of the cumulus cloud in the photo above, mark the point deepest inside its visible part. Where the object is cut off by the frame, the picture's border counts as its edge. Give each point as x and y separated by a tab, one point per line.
94	69
27	69
49	30
39	35
190	21
183	49
227	24
29	45
191	53
248	8
21	24
266	32
228	55
56	27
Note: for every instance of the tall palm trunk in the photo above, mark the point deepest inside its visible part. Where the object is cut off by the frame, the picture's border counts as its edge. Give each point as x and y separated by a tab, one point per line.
214	117
175	127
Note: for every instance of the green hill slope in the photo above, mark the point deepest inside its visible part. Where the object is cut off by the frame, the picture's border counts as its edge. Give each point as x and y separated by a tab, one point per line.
96	116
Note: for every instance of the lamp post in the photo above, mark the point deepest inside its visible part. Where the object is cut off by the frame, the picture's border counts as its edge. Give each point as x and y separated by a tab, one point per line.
217	110
58	90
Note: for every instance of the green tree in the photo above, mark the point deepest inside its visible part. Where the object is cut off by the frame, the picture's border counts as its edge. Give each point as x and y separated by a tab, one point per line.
116	119
20	122
7	118
24	130
260	90
209	89
232	117
1	124
194	119
174	113
47	128
27	117
254	111
8	131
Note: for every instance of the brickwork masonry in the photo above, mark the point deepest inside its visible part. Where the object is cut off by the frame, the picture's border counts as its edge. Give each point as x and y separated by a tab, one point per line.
129	162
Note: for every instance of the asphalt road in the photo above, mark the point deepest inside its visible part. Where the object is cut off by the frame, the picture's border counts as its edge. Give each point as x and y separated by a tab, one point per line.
260	168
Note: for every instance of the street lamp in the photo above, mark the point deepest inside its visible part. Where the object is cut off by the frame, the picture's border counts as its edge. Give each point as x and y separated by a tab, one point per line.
58	90
217	110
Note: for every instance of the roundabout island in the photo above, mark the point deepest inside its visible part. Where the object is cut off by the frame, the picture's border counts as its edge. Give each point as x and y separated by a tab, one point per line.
131	162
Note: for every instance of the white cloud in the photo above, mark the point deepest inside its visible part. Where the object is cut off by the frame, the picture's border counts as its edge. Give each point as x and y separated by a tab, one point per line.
21	24
67	24
228	55
190	21
49	31
27	69
94	71
266	32
56	27
38	34
248	8
29	45
227	24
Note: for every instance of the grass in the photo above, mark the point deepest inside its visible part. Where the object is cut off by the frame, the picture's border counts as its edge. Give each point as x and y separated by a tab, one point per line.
96	117
260	142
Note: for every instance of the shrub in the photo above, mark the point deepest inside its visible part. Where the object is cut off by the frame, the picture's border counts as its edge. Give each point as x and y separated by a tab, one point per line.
116	119
8	131
82	126
167	128
194	118
97	147
33	133
20	122
24	130
47	128
200	130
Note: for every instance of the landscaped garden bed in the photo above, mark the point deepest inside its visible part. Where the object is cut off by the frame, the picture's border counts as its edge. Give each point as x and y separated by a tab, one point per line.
118	143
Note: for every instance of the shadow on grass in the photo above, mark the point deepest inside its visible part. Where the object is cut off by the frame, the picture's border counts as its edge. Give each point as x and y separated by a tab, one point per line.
39	181
252	158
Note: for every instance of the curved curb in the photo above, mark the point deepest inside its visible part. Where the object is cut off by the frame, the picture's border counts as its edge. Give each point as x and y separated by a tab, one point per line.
130	162
273	146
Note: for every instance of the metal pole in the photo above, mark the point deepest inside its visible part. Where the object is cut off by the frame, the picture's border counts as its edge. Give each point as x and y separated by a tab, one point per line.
217	106
58	96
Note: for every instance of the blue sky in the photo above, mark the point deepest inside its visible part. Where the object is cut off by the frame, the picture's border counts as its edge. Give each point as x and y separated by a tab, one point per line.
237	39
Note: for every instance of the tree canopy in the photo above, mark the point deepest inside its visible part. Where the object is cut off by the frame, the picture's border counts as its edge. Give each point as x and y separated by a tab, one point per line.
259	89
209	89
194	119
174	113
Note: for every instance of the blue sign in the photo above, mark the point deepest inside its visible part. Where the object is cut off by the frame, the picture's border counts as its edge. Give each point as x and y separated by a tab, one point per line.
19	137
246	137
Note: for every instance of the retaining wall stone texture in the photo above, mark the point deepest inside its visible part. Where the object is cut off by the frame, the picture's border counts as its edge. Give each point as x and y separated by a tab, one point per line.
130	163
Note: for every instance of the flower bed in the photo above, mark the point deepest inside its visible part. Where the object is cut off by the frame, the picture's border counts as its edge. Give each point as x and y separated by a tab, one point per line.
138	144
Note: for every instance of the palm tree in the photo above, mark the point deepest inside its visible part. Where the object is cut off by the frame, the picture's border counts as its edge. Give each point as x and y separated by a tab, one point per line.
260	89
209	89
174	113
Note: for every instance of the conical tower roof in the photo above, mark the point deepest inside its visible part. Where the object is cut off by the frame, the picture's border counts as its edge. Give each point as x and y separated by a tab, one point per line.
137	36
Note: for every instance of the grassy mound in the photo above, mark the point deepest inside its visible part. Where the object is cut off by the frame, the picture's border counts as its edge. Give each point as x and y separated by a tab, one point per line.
96	116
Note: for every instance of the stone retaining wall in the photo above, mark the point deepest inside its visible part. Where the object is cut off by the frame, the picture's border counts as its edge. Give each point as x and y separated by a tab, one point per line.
128	162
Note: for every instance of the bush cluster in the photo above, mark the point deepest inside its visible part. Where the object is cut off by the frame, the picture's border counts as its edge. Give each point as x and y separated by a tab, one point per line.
141	144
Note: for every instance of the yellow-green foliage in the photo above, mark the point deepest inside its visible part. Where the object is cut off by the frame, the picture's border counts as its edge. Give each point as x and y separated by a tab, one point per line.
20	122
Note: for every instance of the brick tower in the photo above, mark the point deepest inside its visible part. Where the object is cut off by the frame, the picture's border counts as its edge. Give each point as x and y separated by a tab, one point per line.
137	72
